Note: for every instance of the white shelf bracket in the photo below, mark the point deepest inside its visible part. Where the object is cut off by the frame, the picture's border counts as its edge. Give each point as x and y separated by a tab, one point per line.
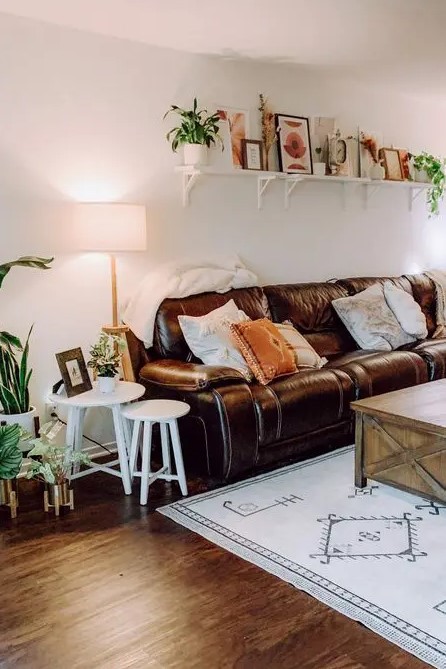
189	179
290	185
413	195
369	193
262	185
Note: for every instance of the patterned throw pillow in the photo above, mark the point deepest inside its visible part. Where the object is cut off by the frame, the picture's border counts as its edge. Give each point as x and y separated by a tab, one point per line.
266	351
209	337
305	355
370	321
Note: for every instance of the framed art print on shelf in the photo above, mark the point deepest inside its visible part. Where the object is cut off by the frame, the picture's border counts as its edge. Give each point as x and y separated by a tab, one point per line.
392	164
74	372
235	128
252	152
294	146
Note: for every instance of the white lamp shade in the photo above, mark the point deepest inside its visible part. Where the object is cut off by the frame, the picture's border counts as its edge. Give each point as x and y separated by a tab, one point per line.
111	227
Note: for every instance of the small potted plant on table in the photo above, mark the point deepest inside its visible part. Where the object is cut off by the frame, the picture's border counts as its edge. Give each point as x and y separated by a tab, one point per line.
197	132
105	359
53	467
10	463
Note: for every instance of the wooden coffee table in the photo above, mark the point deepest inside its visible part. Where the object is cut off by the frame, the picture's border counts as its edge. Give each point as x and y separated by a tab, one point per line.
400	439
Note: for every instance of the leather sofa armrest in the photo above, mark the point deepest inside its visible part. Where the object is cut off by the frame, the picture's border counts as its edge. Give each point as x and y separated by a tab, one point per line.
188	375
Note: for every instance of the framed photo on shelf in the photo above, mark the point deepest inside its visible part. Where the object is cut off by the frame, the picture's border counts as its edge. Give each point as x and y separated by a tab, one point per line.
392	164
294	146
74	372
252	153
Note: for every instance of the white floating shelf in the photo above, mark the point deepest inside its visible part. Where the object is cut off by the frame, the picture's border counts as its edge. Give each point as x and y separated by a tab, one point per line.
191	174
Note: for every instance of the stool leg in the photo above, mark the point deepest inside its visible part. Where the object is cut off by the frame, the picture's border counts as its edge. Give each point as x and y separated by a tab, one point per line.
134	447
165	446
122	450
178	455
145	468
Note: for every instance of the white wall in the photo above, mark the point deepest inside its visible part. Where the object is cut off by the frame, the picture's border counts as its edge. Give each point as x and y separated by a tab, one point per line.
81	119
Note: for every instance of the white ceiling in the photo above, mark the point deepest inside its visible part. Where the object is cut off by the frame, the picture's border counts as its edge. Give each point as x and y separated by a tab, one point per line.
396	42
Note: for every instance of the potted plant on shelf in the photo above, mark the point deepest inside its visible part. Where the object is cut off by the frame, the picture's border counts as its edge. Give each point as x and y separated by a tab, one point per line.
197	132
431	169
14	372
53	467
269	136
10	463
105	359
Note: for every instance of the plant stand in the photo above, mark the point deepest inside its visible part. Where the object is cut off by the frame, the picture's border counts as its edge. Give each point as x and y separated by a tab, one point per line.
8	495
56	496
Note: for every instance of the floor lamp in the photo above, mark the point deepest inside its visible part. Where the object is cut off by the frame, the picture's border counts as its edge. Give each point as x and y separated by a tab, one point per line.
111	228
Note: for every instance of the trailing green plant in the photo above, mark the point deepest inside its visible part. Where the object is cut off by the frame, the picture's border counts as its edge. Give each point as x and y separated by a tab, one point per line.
14	372
54	462
196	127
106	354
10	453
435	170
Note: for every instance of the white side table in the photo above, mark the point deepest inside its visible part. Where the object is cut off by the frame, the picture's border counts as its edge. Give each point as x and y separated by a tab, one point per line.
125	392
145	414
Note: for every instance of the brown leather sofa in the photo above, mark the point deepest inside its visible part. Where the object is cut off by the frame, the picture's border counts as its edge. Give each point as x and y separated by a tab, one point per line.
235	427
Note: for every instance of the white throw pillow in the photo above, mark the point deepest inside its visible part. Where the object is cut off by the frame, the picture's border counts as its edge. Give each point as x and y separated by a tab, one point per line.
306	356
370	321
209	337
407	312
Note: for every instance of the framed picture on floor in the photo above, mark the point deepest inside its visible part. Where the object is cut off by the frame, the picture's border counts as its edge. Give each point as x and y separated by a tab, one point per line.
74	372
293	142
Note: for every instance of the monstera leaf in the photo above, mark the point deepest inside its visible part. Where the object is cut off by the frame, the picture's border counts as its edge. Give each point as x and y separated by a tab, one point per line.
10	453
24	261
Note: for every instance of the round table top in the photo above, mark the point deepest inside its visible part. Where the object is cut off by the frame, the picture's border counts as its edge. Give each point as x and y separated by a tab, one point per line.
125	391
156	410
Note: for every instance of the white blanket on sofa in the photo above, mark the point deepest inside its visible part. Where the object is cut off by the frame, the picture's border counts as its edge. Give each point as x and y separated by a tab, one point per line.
439	278
180	279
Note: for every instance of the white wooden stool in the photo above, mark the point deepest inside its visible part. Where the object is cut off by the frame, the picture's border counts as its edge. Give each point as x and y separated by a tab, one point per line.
147	413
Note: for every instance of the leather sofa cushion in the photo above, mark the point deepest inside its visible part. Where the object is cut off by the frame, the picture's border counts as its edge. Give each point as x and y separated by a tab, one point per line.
308	307
374	373
168	338
299	403
433	352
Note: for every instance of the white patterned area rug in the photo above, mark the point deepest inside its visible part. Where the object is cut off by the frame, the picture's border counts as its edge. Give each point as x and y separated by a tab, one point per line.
377	555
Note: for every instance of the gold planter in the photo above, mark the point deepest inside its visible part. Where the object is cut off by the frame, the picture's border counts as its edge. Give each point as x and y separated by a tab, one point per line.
8	495
57	495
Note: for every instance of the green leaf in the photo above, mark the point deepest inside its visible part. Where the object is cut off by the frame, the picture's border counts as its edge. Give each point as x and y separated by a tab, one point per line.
10	453
24	261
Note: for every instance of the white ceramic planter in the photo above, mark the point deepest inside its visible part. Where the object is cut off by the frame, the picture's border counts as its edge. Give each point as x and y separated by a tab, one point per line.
106	384
377	171
421	176
26	422
195	154
319	169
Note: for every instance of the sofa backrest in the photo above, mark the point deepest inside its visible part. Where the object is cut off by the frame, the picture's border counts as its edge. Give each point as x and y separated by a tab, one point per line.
356	284
308	307
168	339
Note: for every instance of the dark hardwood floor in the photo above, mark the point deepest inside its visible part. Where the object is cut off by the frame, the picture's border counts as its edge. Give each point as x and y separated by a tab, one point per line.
112	585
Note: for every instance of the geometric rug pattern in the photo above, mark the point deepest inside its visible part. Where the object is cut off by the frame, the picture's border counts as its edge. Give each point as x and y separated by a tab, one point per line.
377	555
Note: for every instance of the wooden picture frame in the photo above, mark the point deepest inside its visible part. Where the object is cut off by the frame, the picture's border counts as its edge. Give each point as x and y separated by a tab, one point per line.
74	372
252	151
392	164
294	144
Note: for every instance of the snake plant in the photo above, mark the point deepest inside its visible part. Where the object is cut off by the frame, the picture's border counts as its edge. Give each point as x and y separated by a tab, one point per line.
14	372
10	453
